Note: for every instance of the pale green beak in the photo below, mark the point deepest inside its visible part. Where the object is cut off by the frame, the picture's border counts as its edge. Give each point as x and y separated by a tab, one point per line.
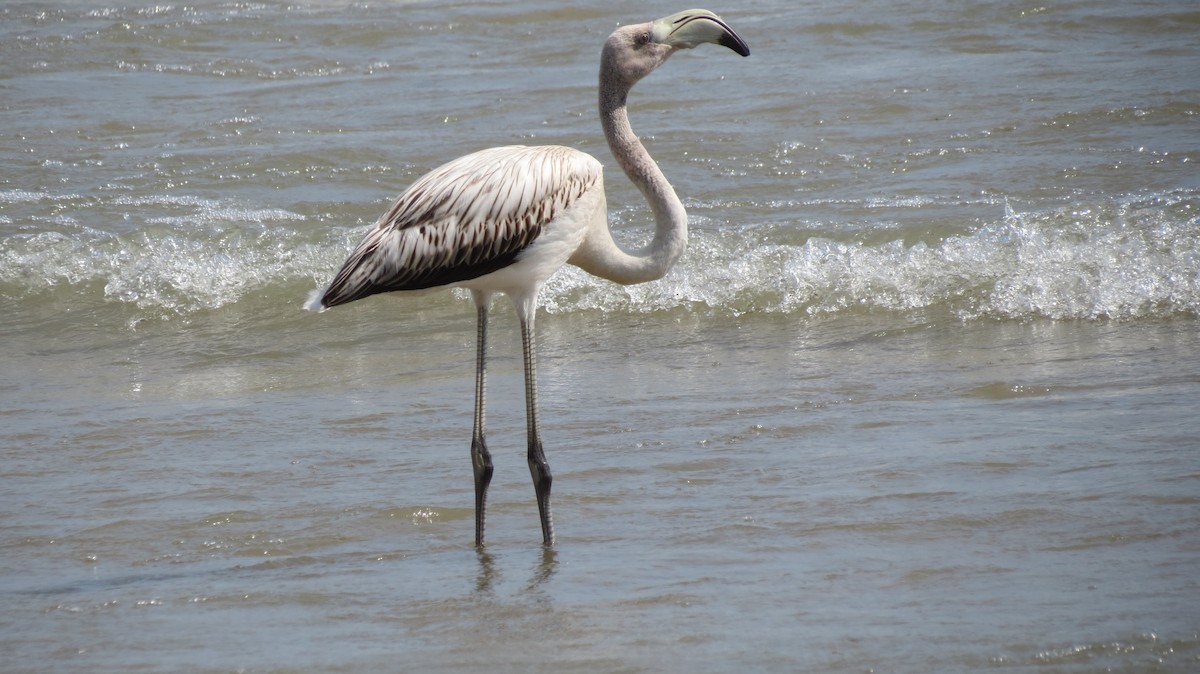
692	27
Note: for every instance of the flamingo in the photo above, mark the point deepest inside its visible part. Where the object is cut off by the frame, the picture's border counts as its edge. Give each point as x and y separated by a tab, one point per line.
503	220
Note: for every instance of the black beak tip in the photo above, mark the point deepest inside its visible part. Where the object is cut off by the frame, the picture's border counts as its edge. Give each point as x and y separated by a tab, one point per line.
735	43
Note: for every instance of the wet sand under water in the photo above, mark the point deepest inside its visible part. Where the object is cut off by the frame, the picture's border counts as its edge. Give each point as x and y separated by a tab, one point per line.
830	495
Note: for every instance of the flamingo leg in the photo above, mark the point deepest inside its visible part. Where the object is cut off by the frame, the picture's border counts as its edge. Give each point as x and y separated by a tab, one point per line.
539	469
481	459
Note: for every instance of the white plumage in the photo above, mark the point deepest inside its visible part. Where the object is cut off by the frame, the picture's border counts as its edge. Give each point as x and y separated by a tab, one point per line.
465	219
503	220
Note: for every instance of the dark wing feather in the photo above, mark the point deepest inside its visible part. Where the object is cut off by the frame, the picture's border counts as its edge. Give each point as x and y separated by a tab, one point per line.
465	219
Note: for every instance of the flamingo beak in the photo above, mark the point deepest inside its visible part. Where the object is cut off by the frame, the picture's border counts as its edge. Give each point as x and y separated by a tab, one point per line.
693	27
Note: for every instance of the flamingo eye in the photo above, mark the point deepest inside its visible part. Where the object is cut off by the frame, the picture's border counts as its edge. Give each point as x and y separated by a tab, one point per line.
643	38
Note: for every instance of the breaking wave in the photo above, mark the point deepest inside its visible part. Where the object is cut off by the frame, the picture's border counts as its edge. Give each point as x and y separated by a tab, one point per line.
1128	259
1136	259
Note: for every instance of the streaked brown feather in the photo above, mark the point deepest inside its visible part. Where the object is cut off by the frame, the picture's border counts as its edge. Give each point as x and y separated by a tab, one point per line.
464	219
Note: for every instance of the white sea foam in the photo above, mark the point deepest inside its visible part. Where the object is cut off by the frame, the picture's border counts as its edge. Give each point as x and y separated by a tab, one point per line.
1128	260
1131	259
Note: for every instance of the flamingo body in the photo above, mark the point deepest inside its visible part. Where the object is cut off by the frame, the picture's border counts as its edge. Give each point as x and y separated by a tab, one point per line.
498	220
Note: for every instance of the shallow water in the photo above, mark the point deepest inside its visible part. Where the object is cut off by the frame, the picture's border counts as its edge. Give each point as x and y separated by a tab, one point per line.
920	396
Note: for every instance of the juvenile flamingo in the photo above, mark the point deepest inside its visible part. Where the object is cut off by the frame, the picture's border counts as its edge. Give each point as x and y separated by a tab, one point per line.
503	220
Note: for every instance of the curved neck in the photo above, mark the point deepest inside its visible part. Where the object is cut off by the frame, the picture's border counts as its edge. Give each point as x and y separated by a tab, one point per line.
670	233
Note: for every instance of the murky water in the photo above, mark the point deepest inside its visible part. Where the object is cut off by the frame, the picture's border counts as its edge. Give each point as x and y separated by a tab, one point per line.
920	397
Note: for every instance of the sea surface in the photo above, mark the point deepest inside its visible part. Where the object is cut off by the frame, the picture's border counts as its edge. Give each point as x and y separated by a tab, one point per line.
923	395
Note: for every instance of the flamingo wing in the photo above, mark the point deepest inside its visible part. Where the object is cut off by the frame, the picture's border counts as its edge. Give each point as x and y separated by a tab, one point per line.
464	219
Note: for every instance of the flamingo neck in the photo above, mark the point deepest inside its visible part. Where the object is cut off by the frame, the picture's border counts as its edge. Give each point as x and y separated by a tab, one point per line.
670	233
